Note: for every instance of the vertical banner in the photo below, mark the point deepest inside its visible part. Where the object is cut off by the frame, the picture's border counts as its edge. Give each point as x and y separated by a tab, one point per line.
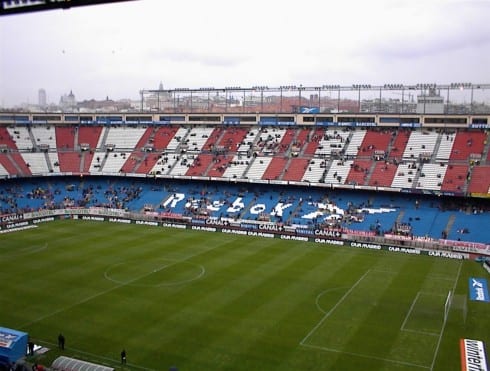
478	289
472	355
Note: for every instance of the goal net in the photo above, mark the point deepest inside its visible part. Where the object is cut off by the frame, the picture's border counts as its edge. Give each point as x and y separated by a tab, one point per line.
458	305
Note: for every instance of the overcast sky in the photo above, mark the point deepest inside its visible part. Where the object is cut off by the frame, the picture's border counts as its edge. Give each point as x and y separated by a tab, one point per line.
117	49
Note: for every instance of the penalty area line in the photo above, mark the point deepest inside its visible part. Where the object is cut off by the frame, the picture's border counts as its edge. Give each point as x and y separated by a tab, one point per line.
402	327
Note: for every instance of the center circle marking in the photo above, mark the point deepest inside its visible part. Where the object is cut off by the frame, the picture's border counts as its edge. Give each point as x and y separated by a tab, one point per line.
160	265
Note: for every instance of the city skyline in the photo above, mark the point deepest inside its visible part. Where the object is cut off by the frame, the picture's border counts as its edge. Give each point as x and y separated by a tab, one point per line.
115	50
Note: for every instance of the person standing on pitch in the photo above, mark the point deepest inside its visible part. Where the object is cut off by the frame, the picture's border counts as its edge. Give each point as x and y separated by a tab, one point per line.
123	356
30	345
61	341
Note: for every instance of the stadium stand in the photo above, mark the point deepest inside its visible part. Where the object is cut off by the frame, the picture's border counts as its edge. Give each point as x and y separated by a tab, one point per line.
405	175
69	162
375	140
139	153
366	212
15	164
431	176
359	172
455	178
198	139
339	169
231	139
420	160
178	139
313	171
65	137
7	139
88	135
399	144
333	141
286	141
162	137
121	137
295	169
313	155
276	168
467	143
36	162
21	137
419	143
44	136
354	146
301	142
268	142
480	180
383	174
181	164
258	166
3	171
237	167
200	165
445	147
313	142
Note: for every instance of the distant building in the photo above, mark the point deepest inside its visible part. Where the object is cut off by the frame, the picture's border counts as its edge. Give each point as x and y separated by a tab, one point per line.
389	105
68	102
41	98
107	105
430	102
160	100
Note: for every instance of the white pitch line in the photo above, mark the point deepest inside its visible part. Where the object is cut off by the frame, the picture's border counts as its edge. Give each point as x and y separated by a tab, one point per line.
174	283
421	332
110	289
444	323
367	356
302	342
318	306
440	277
402	327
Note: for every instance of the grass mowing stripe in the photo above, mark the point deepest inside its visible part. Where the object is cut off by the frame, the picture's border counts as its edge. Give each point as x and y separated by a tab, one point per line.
191	308
251	310
26	325
260	305
281	320
207	296
271	277
369	357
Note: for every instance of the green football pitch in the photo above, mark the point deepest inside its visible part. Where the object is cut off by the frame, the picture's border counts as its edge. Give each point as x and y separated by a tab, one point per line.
212	301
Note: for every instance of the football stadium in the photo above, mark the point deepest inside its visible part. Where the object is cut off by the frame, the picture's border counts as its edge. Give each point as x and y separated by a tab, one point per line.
288	228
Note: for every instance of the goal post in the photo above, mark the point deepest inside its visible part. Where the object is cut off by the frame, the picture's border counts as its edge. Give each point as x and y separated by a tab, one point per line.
447	305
